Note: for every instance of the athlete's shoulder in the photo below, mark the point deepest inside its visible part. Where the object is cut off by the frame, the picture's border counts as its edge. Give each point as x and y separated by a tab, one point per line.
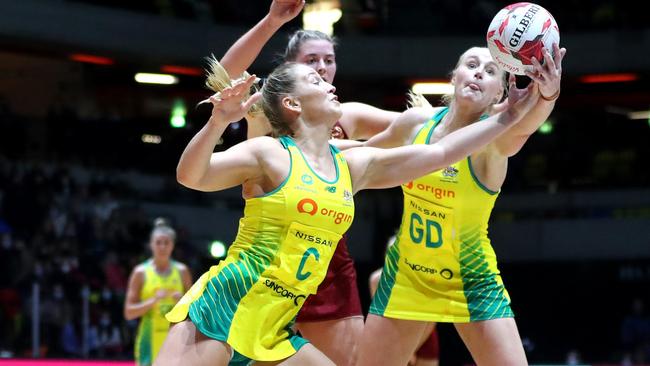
139	271
259	140
408	123
141	267
262	146
180	266
420	115
412	117
264	142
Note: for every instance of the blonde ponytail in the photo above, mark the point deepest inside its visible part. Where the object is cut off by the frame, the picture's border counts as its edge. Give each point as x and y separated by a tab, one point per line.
218	79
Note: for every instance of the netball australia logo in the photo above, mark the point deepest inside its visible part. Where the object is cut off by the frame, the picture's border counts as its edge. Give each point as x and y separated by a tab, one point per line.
307	179
450	172
347	195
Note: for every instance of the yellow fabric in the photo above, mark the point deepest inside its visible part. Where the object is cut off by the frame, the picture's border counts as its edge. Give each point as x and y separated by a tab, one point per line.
442	267
153	326
279	257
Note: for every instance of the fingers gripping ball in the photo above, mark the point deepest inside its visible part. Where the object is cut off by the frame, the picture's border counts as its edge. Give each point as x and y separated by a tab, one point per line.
518	33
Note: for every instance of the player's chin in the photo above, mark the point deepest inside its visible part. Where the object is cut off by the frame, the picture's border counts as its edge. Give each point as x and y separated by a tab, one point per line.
470	96
336	109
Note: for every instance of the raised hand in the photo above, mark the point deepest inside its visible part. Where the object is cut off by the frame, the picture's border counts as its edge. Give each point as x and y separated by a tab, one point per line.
282	11
519	101
229	105
548	75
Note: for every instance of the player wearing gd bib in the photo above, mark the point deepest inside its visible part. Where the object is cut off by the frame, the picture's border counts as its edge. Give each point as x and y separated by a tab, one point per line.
443	257
279	257
442	267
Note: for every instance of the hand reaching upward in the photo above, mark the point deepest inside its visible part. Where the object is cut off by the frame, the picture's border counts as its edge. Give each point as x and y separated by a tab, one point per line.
282	11
230	105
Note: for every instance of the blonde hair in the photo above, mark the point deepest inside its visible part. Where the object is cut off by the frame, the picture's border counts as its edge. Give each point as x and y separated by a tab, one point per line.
218	79
417	100
161	226
280	83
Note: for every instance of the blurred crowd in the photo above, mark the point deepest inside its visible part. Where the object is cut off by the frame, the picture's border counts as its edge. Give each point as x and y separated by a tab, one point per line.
77	241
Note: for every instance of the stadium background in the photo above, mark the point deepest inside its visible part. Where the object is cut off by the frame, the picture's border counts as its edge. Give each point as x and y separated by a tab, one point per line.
79	187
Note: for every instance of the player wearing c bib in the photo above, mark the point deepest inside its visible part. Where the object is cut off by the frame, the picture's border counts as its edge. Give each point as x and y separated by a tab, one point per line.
339	283
324	317
442	267
284	245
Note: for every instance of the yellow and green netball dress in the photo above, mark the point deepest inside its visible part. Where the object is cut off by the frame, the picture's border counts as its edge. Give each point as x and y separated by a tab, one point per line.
279	257
153	326
442	267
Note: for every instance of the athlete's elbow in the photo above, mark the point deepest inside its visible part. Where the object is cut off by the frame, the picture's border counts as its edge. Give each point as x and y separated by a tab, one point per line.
186	179
512	146
128	315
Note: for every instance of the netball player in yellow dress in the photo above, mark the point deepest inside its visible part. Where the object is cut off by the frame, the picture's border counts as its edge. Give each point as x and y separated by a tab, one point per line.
154	288
442	267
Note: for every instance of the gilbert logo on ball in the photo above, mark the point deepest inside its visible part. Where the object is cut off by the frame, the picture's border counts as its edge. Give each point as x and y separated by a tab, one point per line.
519	32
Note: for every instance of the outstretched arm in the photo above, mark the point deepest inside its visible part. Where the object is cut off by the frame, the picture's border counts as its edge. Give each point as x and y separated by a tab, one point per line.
245	50
362	121
199	167
383	168
402	130
547	77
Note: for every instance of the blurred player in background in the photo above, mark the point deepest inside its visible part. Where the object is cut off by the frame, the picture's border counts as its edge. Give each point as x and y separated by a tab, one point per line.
154	288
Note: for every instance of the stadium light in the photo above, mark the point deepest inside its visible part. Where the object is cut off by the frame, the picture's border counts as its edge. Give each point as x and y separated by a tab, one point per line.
608	78
546	127
321	15
91	59
182	70
162	79
433	88
151	139
177	119
639	115
217	249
